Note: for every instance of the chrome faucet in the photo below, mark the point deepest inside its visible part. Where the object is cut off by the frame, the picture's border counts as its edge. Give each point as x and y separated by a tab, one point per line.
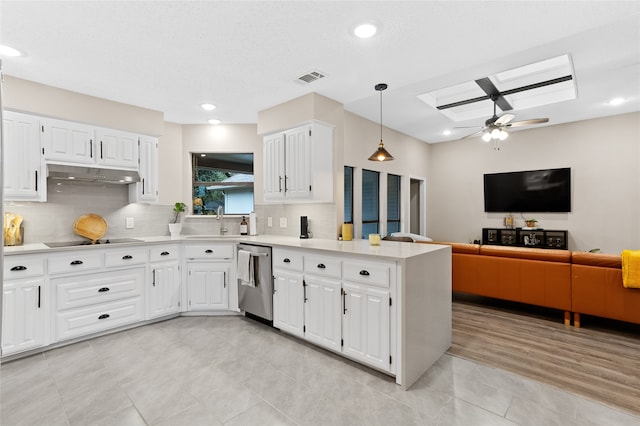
220	217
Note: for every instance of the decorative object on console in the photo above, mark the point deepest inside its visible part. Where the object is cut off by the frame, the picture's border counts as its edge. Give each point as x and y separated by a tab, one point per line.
381	154
531	223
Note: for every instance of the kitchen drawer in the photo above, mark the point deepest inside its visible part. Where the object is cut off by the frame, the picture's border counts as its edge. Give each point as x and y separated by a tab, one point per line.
125	257
164	253
286	259
84	290
209	251
85	321
77	262
16	267
322	265
376	274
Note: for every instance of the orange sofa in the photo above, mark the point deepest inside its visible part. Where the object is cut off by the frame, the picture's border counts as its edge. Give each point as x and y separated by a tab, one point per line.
539	277
596	289
578	282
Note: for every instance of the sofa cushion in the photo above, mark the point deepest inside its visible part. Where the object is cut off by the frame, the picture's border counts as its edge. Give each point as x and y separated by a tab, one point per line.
549	255
596	259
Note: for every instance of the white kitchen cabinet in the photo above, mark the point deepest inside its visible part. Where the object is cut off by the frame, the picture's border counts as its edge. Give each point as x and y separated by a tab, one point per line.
24	179
322	312
163	291
68	142
24	304
116	148
288	302
298	164
208	286
146	191
366	324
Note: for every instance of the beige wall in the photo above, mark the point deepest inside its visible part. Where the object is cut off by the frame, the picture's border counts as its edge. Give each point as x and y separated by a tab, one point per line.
170	169
35	98
604	156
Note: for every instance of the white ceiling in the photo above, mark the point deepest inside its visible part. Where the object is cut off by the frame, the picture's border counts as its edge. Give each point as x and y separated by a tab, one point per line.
245	56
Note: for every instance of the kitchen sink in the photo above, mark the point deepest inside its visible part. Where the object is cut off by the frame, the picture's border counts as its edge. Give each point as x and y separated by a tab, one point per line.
211	237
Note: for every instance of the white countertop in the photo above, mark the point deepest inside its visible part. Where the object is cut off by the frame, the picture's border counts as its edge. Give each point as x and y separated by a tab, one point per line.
386	249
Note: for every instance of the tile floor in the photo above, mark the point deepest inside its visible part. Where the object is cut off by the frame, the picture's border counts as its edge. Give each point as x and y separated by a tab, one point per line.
232	371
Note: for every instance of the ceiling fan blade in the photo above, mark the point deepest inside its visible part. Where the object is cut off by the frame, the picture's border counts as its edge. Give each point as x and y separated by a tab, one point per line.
504	119
528	122
494	94
478	133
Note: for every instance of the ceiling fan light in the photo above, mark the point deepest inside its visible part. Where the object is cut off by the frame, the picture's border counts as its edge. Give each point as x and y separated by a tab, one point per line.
486	137
503	135
495	133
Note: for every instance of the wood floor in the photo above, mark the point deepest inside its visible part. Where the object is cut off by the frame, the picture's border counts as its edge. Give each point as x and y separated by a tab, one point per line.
600	361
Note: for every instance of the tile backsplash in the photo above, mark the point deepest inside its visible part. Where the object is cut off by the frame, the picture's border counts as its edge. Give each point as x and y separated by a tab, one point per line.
53	220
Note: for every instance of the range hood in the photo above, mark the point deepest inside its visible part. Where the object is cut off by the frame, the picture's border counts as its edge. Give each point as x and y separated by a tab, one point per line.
92	174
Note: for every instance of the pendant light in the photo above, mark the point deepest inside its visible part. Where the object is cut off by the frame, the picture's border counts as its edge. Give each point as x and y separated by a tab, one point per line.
381	154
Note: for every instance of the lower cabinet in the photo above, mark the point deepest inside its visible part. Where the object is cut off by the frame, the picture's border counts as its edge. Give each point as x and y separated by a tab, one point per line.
91	303
366	324
288	302
163	294
340	304
208	286
23	317
323	312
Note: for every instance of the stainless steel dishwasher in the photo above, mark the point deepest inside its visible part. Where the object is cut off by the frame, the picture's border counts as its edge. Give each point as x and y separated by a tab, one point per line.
257	301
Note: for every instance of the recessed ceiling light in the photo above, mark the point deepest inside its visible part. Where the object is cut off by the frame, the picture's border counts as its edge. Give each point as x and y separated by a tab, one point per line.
446	132
208	107
365	30
214	121
8	51
616	101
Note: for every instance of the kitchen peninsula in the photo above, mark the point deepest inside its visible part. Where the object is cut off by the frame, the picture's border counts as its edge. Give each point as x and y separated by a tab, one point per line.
386	306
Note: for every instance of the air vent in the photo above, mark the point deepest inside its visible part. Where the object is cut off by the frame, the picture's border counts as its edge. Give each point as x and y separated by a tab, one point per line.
310	77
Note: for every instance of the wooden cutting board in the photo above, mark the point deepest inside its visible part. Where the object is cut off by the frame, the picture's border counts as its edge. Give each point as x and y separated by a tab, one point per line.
90	226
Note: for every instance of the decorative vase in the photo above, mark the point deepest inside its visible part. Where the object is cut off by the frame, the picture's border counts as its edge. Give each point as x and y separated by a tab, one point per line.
175	229
531	223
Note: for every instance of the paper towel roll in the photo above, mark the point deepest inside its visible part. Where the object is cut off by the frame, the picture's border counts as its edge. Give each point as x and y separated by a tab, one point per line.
253	227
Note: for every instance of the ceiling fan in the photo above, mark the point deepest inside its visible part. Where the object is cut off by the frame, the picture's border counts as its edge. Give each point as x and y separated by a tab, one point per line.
495	127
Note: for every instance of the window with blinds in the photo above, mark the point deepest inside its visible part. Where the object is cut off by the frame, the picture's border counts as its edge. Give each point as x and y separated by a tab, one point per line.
393	203
348	194
370	203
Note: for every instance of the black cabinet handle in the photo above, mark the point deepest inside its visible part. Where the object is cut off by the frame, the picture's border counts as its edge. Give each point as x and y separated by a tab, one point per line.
39	296
365	273
103	316
127	257
287	260
154	278
164	253
103	289
90	148
321	266
209	251
100	149
304	291
19	268
344	302
76	262
36	181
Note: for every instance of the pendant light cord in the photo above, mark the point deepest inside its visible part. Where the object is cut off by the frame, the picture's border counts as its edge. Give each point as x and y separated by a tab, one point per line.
380	116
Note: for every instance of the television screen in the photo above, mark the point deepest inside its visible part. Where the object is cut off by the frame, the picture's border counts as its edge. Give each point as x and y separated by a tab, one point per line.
528	191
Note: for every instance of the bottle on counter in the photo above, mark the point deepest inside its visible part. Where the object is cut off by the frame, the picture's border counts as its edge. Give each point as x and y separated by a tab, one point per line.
243	226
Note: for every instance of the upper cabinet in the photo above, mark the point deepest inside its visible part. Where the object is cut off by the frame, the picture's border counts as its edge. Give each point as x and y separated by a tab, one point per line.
116	148
69	142
146	191
24	179
298	164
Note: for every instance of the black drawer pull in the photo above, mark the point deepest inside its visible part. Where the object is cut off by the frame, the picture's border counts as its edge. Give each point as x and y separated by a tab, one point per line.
76	262
103	289
209	251
365	273
165	253
103	316
19	268
321	266
287	260
127	257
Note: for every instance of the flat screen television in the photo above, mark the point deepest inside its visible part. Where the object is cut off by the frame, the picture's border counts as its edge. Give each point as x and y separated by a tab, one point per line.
528	191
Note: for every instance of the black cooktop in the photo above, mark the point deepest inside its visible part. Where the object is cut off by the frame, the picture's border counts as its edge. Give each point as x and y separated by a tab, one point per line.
92	243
